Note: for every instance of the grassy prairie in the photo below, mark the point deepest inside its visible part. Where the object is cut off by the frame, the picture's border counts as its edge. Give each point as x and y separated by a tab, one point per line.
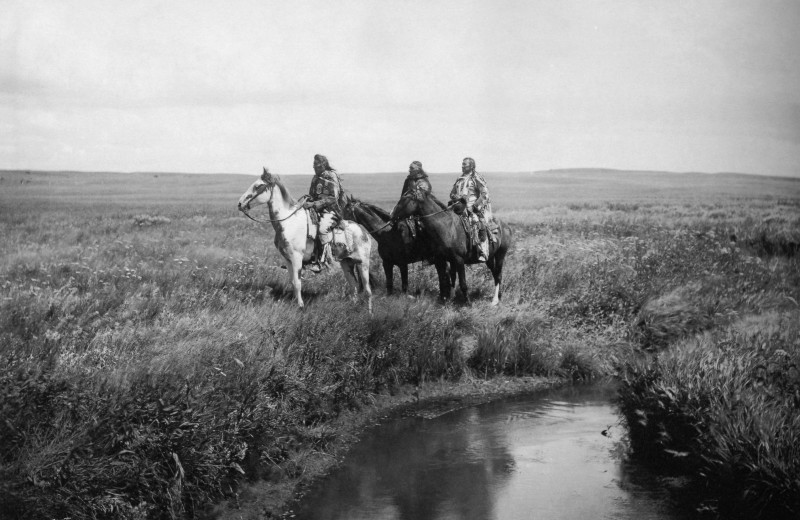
153	361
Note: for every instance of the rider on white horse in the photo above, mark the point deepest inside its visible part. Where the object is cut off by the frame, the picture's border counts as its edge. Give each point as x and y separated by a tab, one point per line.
323	197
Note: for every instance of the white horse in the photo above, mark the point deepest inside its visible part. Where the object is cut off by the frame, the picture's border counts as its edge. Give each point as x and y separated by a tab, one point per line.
295	233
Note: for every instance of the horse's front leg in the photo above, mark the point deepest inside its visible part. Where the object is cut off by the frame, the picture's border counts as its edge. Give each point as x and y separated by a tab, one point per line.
296	265
462	280
403	277
294	278
295	260
444	279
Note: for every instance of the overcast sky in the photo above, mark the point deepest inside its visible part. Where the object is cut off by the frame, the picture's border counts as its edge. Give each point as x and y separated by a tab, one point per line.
519	85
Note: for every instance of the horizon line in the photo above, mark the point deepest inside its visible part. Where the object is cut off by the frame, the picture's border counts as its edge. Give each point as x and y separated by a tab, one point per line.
398	172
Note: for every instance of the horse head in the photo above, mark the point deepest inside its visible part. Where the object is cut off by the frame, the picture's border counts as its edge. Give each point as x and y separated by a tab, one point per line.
351	207
459	205
260	192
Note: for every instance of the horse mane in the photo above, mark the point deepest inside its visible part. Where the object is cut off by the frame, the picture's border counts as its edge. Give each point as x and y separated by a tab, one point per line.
275	180
377	210
382	213
438	202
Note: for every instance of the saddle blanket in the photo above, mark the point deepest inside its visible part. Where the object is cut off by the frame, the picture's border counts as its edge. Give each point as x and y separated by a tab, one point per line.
472	229
344	239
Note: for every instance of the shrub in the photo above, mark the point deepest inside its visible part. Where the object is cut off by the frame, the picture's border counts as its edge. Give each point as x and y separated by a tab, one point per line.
149	220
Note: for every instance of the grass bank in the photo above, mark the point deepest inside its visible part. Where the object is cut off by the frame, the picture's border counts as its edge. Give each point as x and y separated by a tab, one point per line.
724	408
153	362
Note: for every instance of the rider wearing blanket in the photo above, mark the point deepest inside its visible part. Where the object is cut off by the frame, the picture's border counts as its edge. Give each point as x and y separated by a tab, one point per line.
472	187
417	179
323	196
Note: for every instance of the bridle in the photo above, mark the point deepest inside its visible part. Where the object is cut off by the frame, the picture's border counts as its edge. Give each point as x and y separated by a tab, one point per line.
411	193
261	189
388	223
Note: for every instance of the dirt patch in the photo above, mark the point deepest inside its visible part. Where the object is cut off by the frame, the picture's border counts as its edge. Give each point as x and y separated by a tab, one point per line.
272	496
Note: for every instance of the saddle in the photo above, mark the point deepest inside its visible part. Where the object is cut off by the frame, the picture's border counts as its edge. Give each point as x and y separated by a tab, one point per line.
313	222
473	229
341	244
412	224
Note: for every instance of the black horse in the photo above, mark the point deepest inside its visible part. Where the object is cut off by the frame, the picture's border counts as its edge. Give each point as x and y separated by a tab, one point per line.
445	232
398	244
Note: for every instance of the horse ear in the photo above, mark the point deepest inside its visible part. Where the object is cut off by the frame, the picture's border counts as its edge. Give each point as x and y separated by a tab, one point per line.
265	174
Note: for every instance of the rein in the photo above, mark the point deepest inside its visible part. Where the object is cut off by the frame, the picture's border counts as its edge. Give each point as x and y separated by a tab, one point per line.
448	208
383	226
410	193
261	189
388	223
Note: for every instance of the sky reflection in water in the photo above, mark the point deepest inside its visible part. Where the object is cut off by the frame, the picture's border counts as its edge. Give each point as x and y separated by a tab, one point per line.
537	457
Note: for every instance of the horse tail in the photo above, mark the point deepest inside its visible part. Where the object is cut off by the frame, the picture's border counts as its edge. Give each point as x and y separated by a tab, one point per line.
506	235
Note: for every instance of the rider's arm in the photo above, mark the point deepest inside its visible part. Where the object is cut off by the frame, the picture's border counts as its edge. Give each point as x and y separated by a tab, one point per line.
424	185
329	197
483	191
455	194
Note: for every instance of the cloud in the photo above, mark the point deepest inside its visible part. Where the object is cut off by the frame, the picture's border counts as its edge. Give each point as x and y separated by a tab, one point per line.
196	87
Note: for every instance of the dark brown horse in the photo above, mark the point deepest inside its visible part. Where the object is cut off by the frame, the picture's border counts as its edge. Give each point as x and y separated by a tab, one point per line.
398	244
449	241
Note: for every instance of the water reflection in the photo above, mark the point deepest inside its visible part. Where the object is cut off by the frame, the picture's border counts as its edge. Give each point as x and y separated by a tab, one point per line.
534	457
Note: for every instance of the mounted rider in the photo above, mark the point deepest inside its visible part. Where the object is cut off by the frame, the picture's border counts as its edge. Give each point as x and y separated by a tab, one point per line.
472	187
324	197
417	179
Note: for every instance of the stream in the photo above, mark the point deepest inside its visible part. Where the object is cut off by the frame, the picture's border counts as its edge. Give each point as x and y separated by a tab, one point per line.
551	455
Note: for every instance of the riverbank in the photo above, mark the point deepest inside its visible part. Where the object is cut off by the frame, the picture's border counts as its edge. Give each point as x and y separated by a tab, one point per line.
273	496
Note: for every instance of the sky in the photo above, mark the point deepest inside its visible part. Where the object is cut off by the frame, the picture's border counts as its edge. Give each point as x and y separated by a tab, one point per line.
231	86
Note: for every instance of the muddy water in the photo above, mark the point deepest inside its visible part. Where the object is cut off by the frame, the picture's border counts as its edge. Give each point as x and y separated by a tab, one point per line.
554	455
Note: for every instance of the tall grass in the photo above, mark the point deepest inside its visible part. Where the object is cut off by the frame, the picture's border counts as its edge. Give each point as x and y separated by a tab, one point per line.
152	356
725	406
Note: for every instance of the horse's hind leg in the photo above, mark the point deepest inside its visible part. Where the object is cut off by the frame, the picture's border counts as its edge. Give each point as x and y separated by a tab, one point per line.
496	266
388	271
363	268
445	287
453	273
349	275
